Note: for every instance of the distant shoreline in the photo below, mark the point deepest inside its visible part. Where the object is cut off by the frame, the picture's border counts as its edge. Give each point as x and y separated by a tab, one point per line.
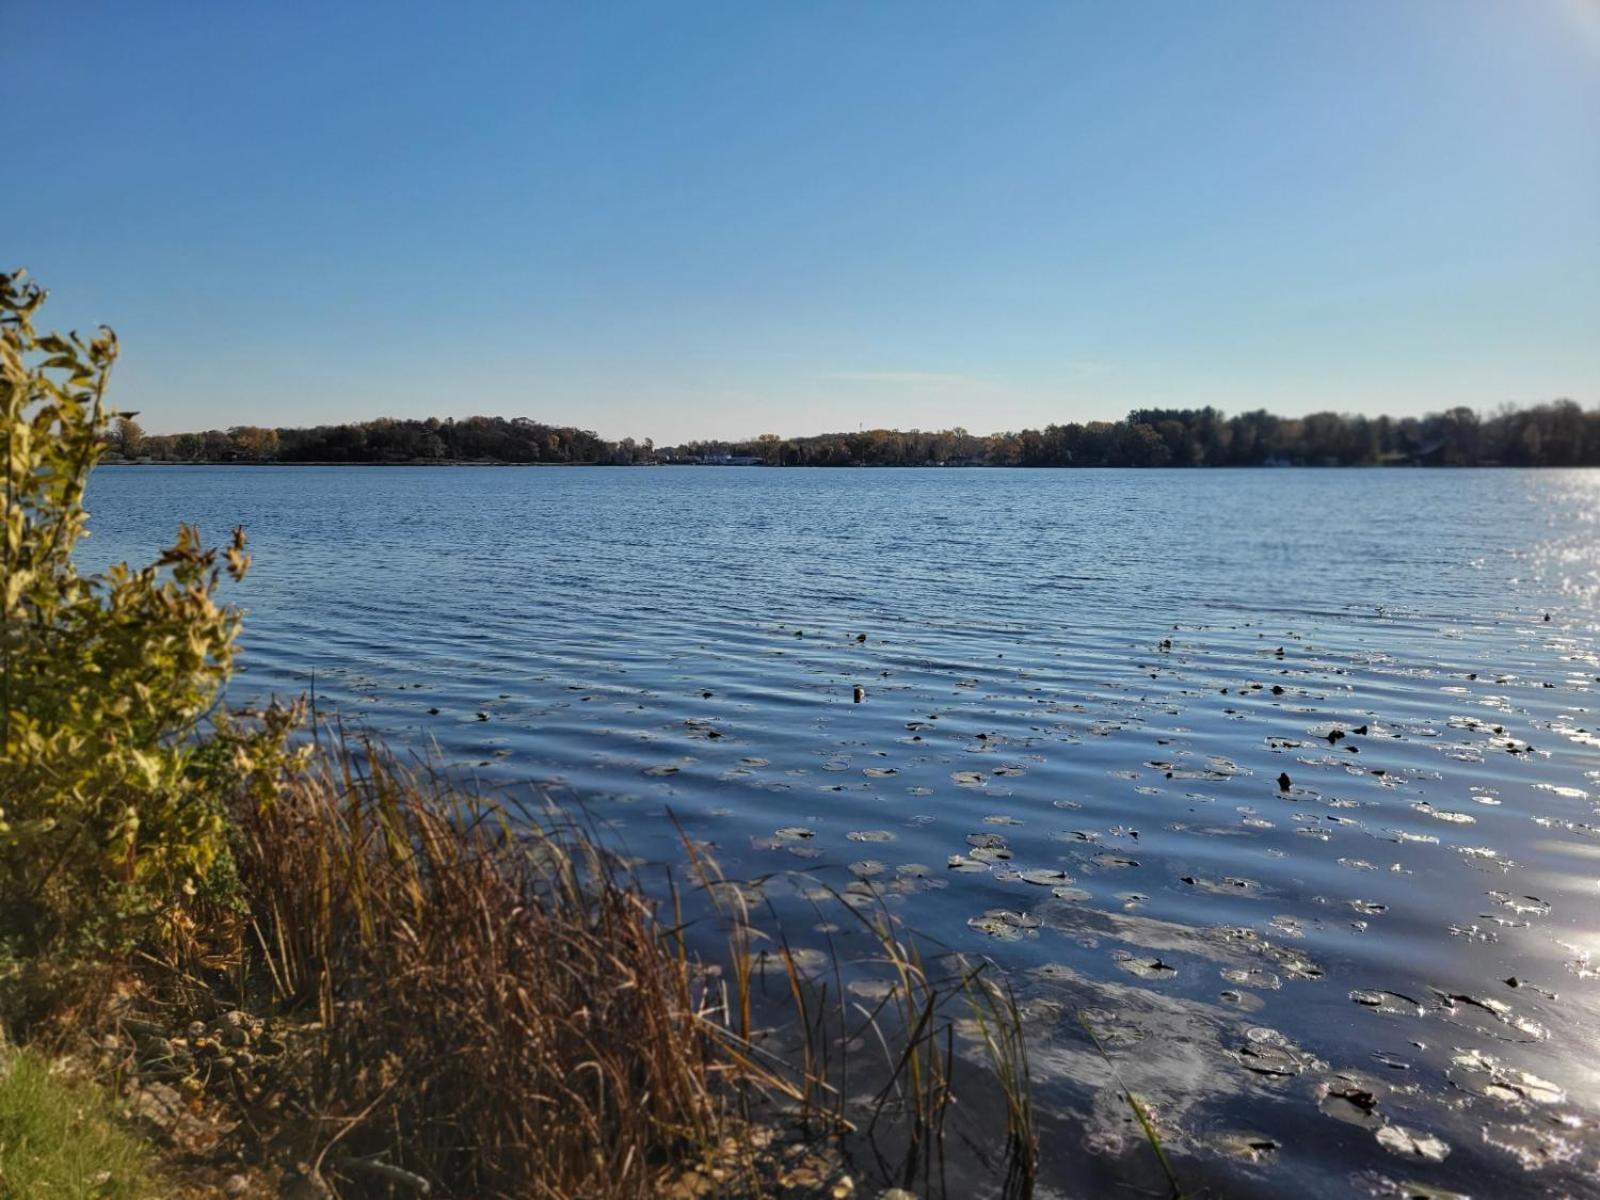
1560	433
1284	466
415	462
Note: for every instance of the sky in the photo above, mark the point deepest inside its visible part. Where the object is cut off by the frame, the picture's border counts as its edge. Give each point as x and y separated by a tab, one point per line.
693	219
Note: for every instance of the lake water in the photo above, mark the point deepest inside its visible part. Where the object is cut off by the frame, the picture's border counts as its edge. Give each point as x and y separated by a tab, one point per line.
1373	972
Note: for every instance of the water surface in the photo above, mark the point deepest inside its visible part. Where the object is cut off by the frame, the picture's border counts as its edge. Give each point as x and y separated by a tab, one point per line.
1286	779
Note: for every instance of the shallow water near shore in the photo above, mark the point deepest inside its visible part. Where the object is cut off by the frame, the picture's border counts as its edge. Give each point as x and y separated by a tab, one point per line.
1287	781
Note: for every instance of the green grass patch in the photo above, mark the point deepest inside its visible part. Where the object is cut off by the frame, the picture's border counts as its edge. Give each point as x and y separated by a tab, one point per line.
60	1140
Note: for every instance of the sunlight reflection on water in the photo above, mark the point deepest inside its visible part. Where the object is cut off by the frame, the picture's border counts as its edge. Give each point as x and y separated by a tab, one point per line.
1099	676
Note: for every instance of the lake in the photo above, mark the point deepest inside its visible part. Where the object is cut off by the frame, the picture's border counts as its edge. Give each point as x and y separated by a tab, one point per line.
1286	779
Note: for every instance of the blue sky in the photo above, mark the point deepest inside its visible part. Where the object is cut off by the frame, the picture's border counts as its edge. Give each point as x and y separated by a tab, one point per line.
687	219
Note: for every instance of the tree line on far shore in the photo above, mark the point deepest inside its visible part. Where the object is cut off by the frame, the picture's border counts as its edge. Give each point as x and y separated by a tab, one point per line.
1559	434
386	440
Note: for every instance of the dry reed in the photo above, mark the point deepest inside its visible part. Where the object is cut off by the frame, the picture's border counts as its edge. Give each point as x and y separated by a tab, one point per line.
483	1002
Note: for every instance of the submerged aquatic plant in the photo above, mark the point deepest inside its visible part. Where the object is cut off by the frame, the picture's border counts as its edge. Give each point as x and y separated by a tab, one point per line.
913	1015
1146	1125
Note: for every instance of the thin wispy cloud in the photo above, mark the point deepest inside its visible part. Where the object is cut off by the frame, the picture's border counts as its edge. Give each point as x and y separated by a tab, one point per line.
1080	368
934	379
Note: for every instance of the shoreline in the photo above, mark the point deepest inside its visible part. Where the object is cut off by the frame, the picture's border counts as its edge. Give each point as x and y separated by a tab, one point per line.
451	462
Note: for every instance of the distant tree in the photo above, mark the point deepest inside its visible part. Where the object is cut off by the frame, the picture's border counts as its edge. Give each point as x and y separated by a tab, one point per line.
252	443
128	438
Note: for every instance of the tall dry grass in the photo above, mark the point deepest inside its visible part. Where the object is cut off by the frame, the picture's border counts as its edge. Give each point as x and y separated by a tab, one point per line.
482	1002
497	1011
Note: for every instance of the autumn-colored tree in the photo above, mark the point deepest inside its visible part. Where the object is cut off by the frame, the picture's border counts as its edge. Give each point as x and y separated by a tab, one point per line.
253	443
114	755
128	436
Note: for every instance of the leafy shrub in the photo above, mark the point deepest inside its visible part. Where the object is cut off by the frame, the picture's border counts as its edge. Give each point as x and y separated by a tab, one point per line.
109	797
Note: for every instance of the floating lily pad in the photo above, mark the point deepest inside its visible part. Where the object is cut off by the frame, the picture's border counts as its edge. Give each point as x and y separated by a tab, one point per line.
871	989
1252	977
1478	1072
1270	1060
1412	1190
1247	1147
1044	877
1006	925
1113	862
1227	886
771	962
1412	1143
1394	1003
1349	1101
1145	968
1439	814
1267	1052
